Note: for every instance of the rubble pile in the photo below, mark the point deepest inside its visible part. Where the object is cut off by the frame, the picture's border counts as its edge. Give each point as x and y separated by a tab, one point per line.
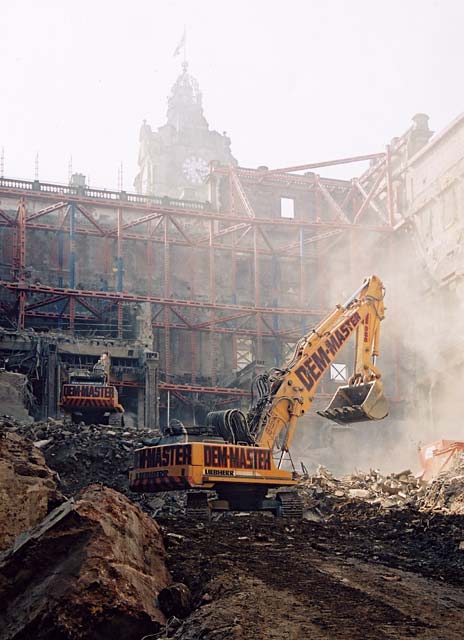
95	567
92	569
163	504
28	488
83	454
446	493
322	493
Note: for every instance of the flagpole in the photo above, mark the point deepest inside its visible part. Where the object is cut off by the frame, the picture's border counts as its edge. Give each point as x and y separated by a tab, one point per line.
185	45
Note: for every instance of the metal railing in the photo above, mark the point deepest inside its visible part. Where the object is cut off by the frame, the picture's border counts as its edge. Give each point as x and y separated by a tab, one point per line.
100	194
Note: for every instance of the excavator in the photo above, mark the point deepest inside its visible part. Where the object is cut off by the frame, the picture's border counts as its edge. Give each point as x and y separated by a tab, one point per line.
241	456
88	397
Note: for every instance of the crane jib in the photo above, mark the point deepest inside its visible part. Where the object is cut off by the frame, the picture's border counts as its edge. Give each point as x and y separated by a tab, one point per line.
316	363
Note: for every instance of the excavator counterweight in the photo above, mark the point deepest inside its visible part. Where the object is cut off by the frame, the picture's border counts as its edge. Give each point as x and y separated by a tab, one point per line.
357	403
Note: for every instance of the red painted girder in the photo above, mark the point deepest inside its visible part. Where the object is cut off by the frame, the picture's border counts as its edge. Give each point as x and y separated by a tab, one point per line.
55	316
6	217
91	219
43	212
43	303
238	332
327	163
171	386
155	211
128	297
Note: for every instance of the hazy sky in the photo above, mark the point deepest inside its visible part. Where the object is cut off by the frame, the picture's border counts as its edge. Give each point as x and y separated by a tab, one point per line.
291	82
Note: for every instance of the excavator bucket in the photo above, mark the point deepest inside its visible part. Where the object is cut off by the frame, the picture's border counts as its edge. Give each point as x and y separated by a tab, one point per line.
357	403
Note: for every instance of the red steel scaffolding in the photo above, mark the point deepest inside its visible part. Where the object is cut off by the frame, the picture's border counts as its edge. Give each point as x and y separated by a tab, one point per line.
156	225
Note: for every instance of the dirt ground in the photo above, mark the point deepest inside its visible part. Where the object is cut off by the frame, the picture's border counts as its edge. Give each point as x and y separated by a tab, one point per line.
364	574
355	571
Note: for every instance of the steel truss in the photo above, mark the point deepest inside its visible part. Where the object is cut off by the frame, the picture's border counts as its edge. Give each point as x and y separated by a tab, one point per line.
157	225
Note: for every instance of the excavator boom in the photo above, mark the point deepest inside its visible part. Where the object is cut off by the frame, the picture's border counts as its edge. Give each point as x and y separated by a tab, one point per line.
235	454
292	389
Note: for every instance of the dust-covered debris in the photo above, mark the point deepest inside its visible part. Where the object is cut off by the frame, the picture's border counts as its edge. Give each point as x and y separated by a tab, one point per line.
323	494
83	454
446	493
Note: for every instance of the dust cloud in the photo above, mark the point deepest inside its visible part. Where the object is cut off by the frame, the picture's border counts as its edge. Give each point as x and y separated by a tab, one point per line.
421	368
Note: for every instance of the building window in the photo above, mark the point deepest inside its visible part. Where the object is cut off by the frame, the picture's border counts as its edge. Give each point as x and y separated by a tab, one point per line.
244	352
287	208
449	212
338	372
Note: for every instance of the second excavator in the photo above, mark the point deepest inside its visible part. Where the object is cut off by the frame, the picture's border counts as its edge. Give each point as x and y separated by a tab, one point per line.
240	456
88	396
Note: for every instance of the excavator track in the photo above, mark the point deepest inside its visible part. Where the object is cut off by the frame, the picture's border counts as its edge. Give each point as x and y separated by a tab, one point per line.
291	505
197	505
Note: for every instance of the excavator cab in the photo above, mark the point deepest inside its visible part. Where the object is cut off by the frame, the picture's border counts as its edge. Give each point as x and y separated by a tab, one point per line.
357	403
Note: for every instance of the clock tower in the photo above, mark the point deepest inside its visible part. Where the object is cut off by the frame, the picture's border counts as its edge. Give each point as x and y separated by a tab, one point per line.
174	160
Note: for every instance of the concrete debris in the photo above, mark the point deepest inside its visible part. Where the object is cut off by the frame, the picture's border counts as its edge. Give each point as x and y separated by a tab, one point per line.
322	493
166	503
446	493
83	454
14	395
92	570
28	488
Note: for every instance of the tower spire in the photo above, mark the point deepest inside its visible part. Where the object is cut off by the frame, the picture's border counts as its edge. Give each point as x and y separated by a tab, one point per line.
185	103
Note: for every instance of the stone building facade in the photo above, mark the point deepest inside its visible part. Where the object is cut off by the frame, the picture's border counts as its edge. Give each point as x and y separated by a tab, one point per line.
433	197
174	160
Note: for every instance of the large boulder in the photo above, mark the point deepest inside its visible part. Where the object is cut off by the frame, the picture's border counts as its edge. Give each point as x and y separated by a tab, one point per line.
91	570
27	487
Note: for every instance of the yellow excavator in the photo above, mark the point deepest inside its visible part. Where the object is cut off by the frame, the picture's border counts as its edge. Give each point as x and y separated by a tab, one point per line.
87	396
240	456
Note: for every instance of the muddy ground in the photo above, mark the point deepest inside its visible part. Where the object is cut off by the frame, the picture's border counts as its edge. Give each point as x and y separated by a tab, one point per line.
364	574
360	571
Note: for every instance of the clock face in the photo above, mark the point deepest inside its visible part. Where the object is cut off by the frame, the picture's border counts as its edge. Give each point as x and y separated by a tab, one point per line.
195	169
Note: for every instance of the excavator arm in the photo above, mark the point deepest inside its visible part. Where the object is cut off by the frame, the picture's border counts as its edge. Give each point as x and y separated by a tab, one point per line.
291	390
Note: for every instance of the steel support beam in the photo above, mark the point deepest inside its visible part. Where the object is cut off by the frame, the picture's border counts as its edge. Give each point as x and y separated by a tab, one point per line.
72	245
151	409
